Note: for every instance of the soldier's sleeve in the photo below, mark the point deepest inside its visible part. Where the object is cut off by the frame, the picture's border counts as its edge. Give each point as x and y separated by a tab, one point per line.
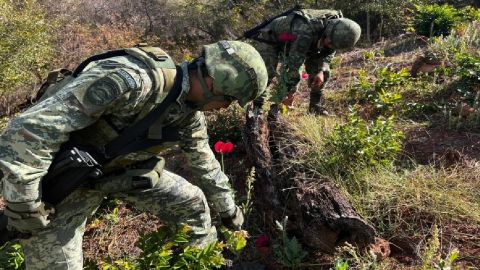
325	57
298	52
31	140
213	182
320	61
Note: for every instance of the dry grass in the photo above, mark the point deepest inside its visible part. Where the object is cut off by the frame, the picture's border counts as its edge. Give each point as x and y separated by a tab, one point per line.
410	198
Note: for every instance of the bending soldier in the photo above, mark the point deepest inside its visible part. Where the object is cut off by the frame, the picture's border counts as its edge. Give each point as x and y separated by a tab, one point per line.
92	107
309	37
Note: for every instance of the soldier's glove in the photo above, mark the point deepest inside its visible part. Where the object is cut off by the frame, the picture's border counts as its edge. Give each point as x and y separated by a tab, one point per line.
234	221
28	217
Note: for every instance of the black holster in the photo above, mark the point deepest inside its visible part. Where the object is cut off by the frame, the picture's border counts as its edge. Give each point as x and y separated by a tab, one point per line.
71	168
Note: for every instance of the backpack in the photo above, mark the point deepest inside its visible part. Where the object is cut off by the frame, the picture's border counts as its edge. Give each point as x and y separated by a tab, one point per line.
155	58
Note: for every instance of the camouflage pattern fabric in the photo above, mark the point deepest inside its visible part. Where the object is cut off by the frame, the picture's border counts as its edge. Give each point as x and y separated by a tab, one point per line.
173	199
92	116
294	54
237	69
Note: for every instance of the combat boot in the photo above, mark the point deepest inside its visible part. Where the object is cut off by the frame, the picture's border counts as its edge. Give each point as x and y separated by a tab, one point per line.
316	104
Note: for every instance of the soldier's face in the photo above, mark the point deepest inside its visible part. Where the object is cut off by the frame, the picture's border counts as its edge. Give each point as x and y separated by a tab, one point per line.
215	105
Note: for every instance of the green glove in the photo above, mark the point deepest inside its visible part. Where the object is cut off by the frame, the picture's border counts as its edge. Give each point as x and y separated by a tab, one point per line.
234	221
28	217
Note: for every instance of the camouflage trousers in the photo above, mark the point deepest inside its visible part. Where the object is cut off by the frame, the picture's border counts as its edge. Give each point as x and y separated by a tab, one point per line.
271	56
173	199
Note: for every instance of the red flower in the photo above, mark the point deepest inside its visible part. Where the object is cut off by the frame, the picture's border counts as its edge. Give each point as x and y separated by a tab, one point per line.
304	76
287	37
223	147
262	244
262	241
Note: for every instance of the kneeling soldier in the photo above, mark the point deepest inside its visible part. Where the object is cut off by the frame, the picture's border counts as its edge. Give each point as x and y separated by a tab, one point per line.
124	108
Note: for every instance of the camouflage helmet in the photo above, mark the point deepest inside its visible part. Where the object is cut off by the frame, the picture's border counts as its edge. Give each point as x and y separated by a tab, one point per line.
344	33
237	69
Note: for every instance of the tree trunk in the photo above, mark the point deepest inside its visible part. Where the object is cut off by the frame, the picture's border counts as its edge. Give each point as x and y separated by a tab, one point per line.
368	27
320	216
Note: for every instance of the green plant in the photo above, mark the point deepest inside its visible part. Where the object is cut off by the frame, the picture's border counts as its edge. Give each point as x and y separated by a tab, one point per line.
360	143
340	264
248	202
348	256
434	20
11	257
432	257
385	101
469	13
468	67
165	249
236	241
387	78
226	124
112	217
362	87
383	92
288	250
26	44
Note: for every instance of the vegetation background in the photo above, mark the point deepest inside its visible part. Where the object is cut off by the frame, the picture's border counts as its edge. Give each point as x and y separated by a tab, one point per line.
404	147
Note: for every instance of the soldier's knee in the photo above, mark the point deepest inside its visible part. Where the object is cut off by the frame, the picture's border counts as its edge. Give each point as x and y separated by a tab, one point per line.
198	201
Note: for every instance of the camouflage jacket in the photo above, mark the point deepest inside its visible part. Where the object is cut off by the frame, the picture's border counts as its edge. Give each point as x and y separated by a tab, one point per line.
307	26
123	93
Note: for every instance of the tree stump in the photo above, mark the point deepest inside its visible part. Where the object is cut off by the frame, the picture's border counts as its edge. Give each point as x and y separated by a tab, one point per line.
319	214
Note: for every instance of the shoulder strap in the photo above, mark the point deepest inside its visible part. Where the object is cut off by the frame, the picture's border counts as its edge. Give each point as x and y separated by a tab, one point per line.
97	57
134	138
253	32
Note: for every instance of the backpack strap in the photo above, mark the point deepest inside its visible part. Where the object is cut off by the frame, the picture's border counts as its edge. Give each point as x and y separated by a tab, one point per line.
135	137
97	57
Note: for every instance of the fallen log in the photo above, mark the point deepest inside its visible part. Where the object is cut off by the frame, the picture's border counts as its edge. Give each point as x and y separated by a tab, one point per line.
319	214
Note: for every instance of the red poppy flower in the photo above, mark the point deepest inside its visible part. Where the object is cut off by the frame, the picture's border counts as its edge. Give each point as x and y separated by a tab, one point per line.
223	147
287	37
304	76
262	241
218	146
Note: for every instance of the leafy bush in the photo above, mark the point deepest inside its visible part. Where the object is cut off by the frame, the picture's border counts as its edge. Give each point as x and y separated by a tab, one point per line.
226	125
362	144
435	20
288	250
166	249
432	257
388	78
382	92
11	257
468	67
25	45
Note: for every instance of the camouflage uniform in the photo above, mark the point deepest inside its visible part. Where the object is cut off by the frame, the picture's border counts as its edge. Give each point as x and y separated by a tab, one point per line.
307	25
32	139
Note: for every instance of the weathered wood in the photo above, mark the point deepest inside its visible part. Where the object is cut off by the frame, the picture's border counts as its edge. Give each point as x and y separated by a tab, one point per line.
320	215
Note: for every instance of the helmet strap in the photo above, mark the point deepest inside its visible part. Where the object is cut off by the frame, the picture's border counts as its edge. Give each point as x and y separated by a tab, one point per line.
207	94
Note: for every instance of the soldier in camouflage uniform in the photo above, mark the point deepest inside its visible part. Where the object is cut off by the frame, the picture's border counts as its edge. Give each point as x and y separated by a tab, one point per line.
107	97
309	37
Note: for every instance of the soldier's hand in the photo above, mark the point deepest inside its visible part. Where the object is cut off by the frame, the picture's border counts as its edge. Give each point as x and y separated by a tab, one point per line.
28	217
235	221
318	80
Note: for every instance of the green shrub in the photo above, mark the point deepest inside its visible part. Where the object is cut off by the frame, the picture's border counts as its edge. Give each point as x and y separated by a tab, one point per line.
11	257
358	143
469	13
468	67
226	125
25	44
435	20
166	249
383	91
